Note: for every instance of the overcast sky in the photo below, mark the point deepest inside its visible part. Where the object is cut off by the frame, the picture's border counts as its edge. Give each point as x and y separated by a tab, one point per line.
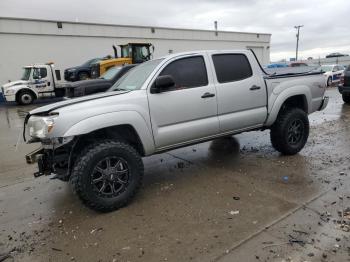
326	22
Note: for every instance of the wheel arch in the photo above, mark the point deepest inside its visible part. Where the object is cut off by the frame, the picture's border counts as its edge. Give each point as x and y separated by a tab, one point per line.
19	91
297	97
128	125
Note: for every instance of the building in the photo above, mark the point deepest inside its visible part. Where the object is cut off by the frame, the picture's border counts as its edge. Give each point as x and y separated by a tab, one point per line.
28	41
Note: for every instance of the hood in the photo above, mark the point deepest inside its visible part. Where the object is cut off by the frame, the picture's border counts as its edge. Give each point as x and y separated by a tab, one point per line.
15	83
85	83
74	67
48	108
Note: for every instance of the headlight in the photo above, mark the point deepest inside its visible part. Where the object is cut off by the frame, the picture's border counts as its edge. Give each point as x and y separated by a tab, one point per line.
40	127
10	92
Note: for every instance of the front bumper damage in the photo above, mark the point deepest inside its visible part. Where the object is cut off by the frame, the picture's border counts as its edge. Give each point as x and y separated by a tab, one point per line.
52	160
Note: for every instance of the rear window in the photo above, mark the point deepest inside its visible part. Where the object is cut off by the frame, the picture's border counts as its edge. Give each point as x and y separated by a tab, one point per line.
231	67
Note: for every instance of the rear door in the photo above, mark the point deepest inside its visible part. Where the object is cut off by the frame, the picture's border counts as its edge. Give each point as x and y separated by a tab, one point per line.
241	93
187	112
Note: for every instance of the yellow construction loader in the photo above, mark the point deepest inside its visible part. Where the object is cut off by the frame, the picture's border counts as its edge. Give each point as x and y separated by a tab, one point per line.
131	53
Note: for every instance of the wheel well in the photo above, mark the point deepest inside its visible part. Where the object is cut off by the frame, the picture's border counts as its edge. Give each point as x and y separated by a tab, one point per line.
123	132
298	101
27	90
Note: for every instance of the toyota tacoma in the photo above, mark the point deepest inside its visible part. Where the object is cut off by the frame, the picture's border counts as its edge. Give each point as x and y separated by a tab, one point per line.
97	142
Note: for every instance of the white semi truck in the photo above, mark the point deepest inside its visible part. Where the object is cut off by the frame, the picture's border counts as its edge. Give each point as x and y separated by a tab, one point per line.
37	81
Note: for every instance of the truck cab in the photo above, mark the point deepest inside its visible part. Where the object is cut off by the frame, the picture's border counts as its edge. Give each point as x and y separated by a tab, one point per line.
37	81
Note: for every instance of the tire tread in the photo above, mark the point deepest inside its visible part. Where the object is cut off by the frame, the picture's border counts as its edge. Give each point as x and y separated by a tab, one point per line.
85	157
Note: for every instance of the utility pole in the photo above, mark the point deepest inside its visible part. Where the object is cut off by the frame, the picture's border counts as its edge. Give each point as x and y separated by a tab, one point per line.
297	27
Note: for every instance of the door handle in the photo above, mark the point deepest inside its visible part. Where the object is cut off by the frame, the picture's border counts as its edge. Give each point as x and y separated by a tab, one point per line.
254	87
207	94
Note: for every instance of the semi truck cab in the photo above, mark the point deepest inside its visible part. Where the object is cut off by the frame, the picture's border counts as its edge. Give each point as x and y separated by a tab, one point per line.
37	81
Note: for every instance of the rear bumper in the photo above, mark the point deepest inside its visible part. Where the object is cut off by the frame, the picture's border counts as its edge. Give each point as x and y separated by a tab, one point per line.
344	90
324	103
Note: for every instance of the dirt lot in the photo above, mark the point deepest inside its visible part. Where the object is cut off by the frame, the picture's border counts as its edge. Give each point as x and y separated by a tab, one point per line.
233	199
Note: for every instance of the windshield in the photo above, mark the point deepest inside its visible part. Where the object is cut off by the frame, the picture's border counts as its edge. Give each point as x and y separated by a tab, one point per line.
110	73
136	76
326	68
26	73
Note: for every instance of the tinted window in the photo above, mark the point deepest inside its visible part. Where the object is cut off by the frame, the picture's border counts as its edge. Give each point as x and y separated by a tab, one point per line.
187	72
43	72
231	67
39	73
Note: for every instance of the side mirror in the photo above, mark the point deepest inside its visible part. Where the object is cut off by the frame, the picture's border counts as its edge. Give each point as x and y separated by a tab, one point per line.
162	83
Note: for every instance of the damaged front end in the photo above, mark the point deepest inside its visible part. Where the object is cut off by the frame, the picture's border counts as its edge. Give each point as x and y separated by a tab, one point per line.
54	155
53	158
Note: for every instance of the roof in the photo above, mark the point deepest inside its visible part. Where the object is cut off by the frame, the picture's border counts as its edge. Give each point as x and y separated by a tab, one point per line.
128	25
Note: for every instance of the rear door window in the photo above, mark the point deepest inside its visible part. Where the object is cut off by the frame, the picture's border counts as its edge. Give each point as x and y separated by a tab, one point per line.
187	72
231	67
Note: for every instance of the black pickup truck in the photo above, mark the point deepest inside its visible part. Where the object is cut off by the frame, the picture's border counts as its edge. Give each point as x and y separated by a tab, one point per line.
101	84
344	87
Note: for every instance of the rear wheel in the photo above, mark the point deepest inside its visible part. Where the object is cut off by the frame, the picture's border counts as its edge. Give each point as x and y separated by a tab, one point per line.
83	76
346	98
290	131
107	175
329	81
25	97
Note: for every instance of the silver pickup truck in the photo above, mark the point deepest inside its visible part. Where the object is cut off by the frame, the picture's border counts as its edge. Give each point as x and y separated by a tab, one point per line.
97	142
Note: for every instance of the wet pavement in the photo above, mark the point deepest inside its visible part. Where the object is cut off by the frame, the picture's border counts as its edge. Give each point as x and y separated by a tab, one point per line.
232	199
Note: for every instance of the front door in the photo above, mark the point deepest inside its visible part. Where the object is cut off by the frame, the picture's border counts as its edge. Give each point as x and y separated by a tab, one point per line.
42	81
187	112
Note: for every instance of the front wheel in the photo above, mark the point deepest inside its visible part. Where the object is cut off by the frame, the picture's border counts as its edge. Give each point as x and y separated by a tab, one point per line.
25	97
290	131
346	98
107	175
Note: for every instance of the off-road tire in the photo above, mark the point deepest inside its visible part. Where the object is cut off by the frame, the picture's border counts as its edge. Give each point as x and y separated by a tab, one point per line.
280	131
329	81
25	97
83	76
85	164
346	99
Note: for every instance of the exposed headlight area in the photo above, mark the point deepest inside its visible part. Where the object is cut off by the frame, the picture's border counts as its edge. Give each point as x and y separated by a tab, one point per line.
9	92
41	126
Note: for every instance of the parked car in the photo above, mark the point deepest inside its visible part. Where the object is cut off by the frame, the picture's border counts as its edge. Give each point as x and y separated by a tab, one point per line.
101	84
335	55
298	64
344	87
81	72
97	142
276	65
37	81
332	73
